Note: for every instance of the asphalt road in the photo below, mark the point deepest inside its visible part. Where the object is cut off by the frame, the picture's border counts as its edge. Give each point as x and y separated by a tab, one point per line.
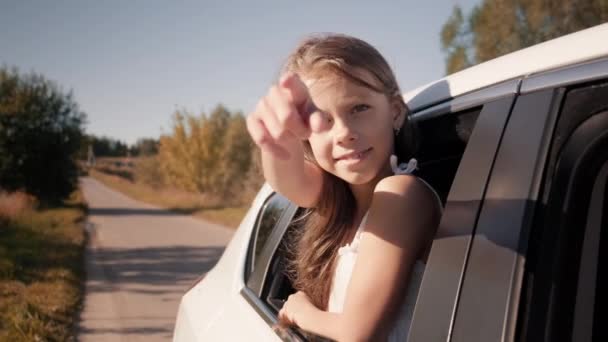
140	260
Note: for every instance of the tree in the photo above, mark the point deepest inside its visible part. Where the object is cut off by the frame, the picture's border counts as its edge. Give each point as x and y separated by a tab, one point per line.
206	153
107	147
177	158
41	129
236	156
212	142
497	27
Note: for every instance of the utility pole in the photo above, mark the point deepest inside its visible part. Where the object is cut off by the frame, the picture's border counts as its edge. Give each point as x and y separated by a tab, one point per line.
90	157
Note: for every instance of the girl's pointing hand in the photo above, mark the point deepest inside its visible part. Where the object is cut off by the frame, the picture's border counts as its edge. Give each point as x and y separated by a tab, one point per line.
280	119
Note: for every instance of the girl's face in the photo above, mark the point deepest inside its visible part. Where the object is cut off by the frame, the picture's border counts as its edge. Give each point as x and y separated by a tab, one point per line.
353	127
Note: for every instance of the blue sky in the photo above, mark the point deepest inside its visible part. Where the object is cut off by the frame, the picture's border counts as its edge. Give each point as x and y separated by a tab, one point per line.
130	64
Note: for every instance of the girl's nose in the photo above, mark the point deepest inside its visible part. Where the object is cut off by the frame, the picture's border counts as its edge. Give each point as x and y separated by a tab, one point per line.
344	134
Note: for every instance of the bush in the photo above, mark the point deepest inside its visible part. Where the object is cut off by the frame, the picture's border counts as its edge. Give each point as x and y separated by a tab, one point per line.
41	129
147	171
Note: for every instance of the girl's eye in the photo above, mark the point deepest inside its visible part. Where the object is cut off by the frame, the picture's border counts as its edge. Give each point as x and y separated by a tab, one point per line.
360	108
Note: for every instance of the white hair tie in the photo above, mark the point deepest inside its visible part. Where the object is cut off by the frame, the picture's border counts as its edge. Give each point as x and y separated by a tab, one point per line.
403	168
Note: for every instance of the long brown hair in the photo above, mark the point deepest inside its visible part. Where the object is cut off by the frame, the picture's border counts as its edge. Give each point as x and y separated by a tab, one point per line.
325	227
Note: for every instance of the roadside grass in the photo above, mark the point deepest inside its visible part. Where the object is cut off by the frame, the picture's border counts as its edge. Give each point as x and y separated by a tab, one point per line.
198	205
41	269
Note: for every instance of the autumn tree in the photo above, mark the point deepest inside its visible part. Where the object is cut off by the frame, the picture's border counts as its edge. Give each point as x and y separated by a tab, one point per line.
236	156
496	27
206	153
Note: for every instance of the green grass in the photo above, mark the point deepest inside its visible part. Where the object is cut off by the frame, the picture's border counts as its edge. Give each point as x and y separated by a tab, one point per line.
42	272
205	207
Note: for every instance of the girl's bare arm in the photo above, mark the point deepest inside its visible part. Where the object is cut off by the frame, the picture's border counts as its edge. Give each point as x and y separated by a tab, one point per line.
402	221
298	180
278	125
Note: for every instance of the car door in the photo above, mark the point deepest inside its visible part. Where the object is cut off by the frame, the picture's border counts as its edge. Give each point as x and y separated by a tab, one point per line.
234	318
532	272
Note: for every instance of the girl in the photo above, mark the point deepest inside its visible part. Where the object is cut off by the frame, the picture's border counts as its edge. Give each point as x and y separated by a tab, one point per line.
327	133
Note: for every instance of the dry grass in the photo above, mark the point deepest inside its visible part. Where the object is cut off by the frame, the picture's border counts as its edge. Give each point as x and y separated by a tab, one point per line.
13	204
41	268
205	207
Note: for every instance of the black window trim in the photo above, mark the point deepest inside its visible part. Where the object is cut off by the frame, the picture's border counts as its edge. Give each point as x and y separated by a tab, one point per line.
582	329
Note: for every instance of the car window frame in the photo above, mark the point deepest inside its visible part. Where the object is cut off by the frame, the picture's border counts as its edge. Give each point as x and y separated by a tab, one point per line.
254	285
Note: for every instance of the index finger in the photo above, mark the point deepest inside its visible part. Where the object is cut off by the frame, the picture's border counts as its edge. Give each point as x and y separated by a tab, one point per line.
294	86
298	96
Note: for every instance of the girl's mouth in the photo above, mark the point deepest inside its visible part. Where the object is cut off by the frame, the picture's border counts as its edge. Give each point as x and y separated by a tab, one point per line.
354	157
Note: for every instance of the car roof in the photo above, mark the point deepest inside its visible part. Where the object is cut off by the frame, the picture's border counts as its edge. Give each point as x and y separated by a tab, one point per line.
570	49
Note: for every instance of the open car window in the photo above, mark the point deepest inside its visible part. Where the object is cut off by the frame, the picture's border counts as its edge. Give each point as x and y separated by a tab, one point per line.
447	132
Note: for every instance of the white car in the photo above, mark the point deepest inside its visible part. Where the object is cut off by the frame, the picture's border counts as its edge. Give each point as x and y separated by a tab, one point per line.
517	149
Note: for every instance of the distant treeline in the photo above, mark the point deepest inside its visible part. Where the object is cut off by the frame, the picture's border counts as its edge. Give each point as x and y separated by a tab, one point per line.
108	147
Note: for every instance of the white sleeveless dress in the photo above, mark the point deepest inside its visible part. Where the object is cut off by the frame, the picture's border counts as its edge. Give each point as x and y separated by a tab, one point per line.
347	255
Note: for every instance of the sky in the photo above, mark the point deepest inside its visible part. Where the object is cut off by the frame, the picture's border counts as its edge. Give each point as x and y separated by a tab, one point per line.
131	64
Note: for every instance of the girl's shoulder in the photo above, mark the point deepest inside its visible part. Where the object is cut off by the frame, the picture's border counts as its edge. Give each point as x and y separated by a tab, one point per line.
400	194
406	184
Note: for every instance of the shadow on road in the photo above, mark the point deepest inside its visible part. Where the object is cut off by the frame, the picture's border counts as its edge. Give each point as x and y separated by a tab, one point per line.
128	211
148	269
158	273
165	332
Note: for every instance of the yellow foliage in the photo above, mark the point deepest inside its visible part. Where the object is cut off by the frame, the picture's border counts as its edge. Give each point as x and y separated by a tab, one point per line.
206	153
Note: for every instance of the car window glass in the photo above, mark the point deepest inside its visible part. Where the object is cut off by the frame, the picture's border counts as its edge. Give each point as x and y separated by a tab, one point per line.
442	143
269	216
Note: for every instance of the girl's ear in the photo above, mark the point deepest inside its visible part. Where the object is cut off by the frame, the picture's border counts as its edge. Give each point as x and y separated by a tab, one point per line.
398	114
